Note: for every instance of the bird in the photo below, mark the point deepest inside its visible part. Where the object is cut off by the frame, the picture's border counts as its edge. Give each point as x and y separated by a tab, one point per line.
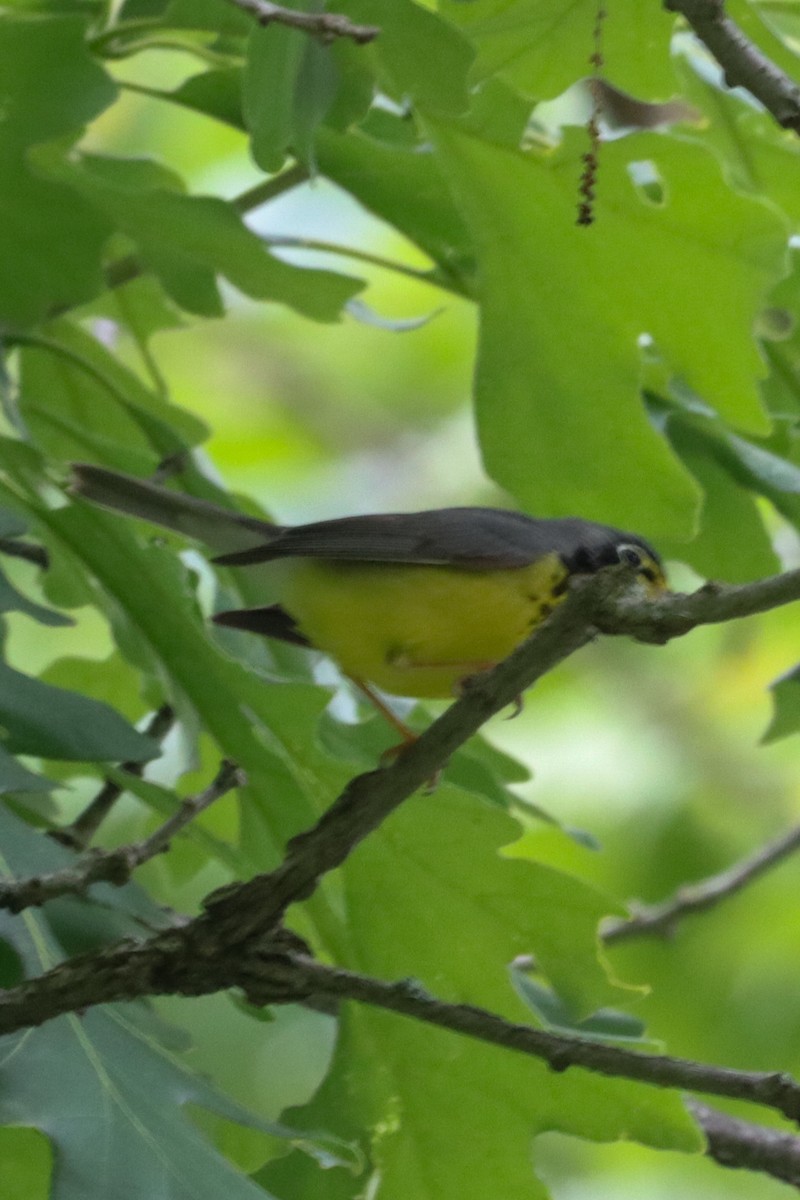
412	604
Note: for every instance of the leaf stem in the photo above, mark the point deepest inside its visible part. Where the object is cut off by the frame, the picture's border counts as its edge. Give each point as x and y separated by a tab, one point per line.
40	342
365	256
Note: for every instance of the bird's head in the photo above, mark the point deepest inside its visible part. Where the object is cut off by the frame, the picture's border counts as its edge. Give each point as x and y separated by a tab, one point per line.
600	546
648	566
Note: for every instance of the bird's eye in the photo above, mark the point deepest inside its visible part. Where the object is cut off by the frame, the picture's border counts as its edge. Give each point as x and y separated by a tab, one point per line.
629	555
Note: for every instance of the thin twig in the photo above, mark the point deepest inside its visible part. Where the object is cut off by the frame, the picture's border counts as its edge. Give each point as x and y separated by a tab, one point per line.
324	25
79	834
228	777
743	64
744	1145
270	189
115	866
661	919
377	260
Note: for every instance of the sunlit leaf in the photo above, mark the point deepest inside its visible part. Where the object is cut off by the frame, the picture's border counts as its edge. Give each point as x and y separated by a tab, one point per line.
561	421
542	46
188	240
420	57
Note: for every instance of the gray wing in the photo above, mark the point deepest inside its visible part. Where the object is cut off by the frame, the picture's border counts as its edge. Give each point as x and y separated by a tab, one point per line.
471	538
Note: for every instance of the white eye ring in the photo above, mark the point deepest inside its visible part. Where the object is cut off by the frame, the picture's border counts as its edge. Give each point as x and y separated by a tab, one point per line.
629	555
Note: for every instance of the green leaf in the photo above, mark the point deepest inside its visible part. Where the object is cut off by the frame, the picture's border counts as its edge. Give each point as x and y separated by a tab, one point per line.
453	913
560	417
217	93
780	19
267	730
764	25
130	1092
289	84
445	859
758	156
16	778
780	340
215	15
26	1163
110	680
419	57
52	239
726	505
77	87
607	1024
188	240
732	471
384	176
38	719
69	377
786	705
355	87
542	46
11	523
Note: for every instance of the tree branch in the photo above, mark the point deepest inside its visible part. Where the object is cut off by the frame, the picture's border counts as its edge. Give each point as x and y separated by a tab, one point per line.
237	940
601	602
242	911
115	866
297	976
237	912
324	25
661	919
743	64
270	971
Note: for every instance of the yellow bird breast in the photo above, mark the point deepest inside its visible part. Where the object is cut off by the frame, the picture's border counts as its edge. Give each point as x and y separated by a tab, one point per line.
417	630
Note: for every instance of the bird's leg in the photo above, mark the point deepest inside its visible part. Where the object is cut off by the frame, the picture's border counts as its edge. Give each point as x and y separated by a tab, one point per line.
406	734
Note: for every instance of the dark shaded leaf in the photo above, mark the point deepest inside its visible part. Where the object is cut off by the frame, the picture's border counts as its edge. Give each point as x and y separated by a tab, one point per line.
16	778
39	719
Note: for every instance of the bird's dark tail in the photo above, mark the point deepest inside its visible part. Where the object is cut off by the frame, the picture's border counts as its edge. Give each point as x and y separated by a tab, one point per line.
223	529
